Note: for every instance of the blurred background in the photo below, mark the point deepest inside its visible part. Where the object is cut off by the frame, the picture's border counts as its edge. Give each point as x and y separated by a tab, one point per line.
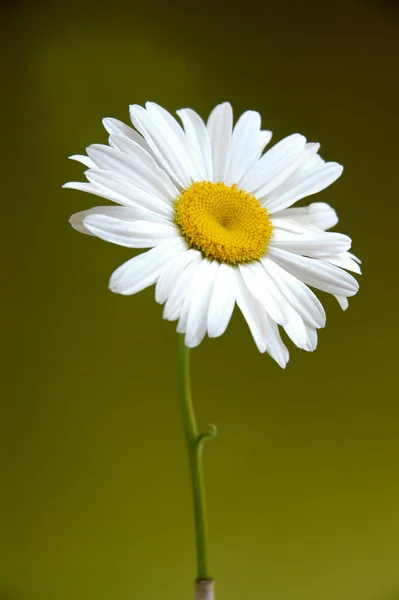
303	479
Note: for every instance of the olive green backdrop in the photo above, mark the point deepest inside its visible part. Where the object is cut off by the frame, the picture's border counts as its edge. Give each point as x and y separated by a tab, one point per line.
303	482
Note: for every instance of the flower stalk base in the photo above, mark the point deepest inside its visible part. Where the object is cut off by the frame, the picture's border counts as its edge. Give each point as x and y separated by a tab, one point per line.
204	589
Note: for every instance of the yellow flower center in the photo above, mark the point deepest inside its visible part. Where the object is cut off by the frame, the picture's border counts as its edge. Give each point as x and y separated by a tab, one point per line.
223	222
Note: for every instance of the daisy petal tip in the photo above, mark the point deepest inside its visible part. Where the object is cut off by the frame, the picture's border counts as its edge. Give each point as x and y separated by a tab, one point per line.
158	298
355	258
298	137
226	104
338	168
71	185
152	104
115	288
213	334
75	222
191	343
343	302
355	288
168	314
112	284
107	123
135	108
281	359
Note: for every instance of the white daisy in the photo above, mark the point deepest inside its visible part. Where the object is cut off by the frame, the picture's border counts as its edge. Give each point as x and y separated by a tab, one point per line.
215	211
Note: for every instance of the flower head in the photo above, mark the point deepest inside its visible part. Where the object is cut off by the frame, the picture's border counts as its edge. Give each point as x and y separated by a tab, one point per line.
215	211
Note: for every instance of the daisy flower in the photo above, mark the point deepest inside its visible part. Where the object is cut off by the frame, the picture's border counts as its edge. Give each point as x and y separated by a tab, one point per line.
216	213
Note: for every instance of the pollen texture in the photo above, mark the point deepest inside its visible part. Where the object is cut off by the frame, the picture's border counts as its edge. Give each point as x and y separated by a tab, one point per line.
223	222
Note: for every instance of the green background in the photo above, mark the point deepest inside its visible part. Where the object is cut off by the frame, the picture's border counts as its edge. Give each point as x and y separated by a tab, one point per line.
302	480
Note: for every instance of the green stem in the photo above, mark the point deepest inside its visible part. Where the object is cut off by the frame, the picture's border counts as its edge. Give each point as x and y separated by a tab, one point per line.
194	442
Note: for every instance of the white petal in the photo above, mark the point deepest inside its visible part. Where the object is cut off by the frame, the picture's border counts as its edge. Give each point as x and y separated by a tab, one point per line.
260	284
222	301
129	193
199	306
312	338
220	125
313	160
298	332
146	207
194	289
253	313
297	294
113	126
275	166
141	170
90	188
164	140
345	260
137	234
318	214
355	258
262	287
309	160
275	346
198	144
119	212
174	303
144	162
171	272
263	328
142	271
343	302
84	160
318	274
247	145
156	109
301	184
310	242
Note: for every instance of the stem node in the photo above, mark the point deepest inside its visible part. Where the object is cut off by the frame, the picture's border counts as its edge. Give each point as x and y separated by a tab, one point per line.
210	433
